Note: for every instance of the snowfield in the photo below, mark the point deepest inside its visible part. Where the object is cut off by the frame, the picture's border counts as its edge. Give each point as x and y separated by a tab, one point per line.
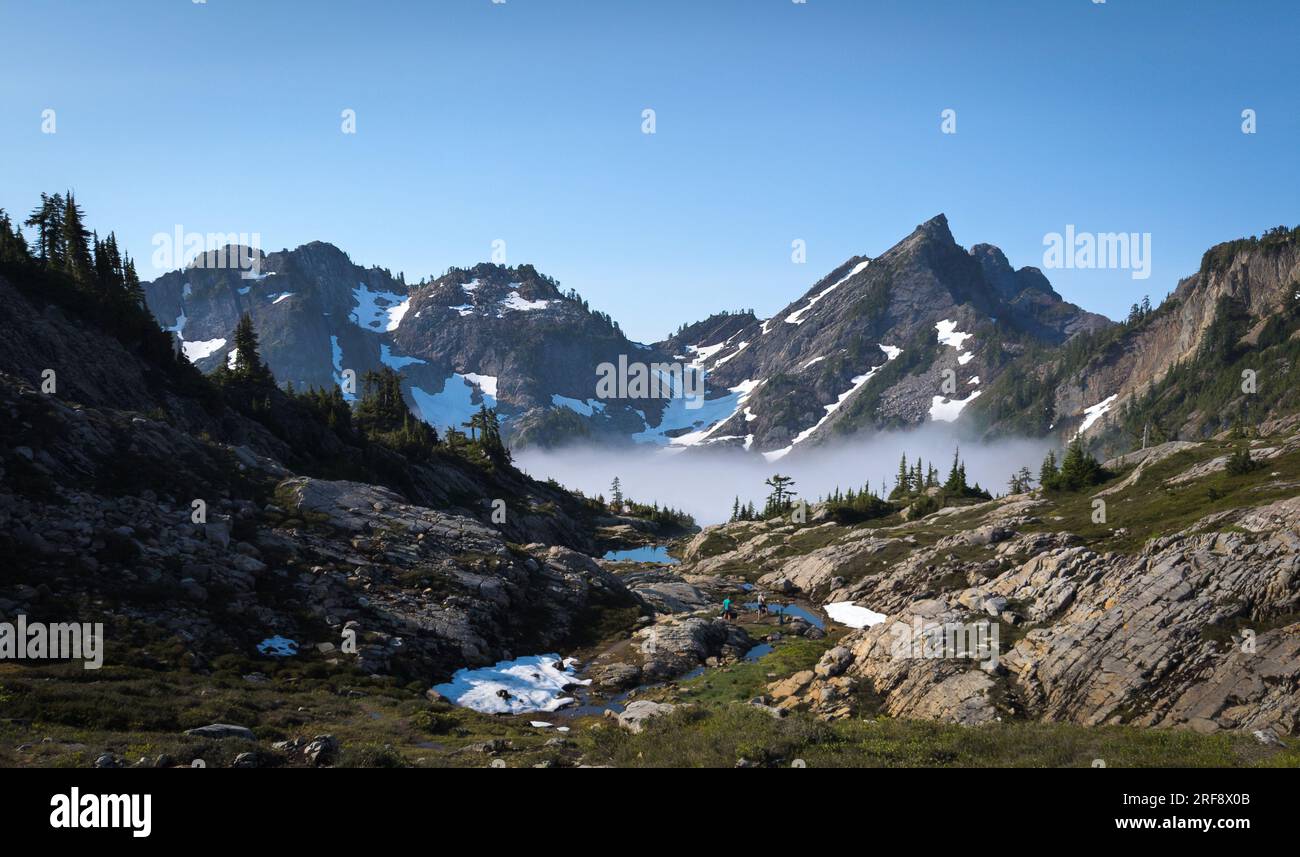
1096	412
848	613
534	683
517	303
196	351
396	361
378	311
948	410
949	335
455	404
585	407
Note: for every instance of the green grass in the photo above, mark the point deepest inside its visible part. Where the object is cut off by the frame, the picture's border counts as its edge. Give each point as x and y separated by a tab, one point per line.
720	736
1151	509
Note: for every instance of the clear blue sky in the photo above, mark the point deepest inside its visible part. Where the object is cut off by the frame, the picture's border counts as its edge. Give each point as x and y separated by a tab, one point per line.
776	121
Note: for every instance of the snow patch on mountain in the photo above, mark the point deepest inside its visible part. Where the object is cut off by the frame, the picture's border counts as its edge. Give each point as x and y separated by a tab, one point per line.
486	383
396	361
452	406
857	384
949	335
704	418
196	351
378	310
797	317
585	407
948	410
515	301
1096	412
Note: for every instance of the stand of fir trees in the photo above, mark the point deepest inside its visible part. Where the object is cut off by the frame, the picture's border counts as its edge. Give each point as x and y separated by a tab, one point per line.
1078	470
87	277
917	490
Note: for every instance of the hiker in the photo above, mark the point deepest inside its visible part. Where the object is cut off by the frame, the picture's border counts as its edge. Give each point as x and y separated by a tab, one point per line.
762	605
780	612
726	610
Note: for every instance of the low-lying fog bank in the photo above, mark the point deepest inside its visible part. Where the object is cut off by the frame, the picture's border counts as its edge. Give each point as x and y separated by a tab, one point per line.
706	482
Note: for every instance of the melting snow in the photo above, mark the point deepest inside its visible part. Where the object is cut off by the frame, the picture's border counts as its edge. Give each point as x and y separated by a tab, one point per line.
848	613
963	359
275	299
739	348
517	302
947	410
396	361
797	317
486	383
454	405
585	407
336	359
378	310
196	351
813	361
278	647
949	335
1096	412
705	419
858	383
535	683
975	381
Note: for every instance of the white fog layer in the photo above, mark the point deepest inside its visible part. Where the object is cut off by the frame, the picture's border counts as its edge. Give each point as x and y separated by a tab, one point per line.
705	483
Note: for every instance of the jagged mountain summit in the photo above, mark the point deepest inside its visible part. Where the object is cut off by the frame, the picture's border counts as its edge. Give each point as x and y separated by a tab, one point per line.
866	347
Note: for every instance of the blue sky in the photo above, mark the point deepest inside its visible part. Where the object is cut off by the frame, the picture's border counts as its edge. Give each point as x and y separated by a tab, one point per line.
776	121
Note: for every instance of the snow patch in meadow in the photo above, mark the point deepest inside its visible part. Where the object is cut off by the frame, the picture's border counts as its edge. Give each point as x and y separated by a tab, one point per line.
378	310
797	317
850	614
533	683
278	647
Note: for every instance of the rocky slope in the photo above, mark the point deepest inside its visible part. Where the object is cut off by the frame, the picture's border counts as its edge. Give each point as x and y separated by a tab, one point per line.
1176	371
134	495
1182	611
